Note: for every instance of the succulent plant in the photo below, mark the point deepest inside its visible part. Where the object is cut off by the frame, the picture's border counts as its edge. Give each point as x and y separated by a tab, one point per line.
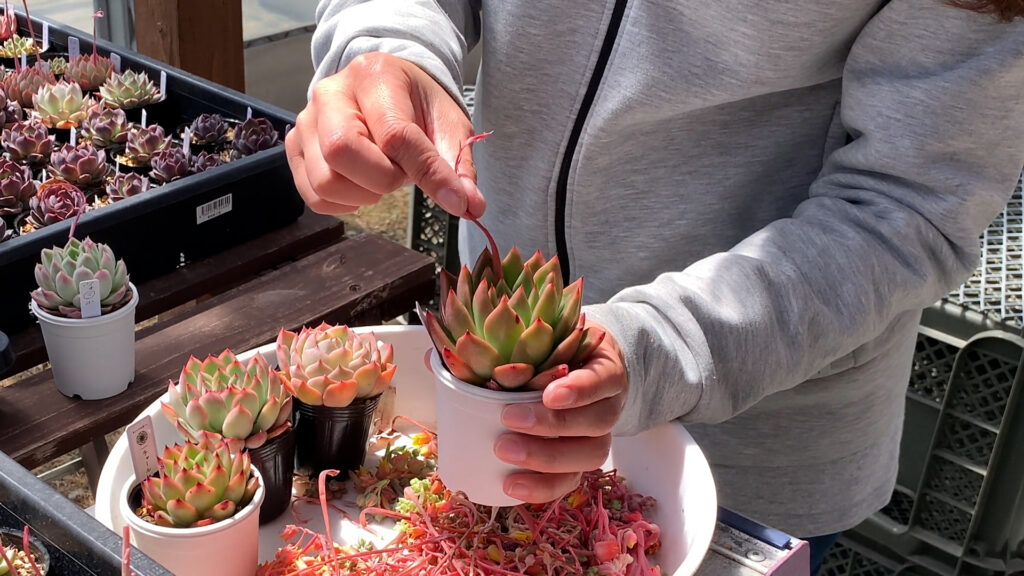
143	143
333	365
61	105
58	65
28	143
510	326
129	89
204	161
16	187
60	271
21	84
125	185
199	484
252	136
10	111
247	403
168	165
55	200
82	165
17	45
105	127
89	71
209	129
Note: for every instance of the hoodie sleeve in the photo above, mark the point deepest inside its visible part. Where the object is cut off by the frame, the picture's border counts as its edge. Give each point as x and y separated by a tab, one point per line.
933	101
433	34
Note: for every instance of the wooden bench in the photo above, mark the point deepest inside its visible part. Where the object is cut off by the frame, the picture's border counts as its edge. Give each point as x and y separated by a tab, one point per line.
300	275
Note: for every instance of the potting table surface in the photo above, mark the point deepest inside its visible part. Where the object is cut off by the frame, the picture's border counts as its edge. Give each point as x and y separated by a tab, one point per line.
302	274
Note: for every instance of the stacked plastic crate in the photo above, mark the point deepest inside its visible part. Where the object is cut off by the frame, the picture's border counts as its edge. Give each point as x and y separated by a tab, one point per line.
958	506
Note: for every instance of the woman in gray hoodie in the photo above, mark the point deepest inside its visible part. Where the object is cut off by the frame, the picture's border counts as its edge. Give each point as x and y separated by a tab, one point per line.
762	196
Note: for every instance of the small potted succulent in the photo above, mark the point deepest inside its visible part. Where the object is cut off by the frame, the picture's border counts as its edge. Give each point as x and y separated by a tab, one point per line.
336	377
22	554
130	91
82	165
252	136
503	332
58	64
90	71
21	84
61	106
249	406
141	145
16	188
85	305
168	165
55	200
204	161
28	143
105	127
125	185
10	110
199	515
208	133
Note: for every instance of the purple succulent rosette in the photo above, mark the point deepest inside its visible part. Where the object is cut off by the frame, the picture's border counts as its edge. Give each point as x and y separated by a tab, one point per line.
104	127
209	129
55	201
16	187
90	71
125	185
143	143
82	165
252	136
168	165
205	161
28	143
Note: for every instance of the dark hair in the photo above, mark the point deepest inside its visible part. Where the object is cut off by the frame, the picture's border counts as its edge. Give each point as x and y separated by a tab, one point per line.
1006	10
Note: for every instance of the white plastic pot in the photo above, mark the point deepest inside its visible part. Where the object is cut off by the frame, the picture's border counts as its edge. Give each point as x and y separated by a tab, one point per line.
91	358
228	548
468	425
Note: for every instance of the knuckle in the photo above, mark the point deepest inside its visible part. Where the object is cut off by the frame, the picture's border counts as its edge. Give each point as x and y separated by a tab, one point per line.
394	139
336	145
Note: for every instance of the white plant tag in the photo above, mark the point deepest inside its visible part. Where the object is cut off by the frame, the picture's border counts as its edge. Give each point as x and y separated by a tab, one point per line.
89	292
212	209
46	36
188	141
163	84
143	117
74	136
115	59
24	60
74	48
248	113
142	448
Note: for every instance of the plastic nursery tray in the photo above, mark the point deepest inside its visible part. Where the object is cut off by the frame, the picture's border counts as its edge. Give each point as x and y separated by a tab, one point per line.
163	228
77	543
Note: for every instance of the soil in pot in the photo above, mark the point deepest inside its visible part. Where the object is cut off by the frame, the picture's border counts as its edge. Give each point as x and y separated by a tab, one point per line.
276	462
125	163
327	437
11	540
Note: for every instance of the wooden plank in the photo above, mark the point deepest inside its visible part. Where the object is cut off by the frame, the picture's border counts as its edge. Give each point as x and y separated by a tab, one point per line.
356	281
214	275
203	37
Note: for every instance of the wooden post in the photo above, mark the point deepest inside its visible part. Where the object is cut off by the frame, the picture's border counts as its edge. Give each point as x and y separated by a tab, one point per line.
203	37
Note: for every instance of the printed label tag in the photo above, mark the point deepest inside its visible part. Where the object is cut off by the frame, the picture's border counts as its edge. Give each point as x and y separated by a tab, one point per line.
74	136
46	36
115	59
142	448
212	209
163	84
89	291
187	141
74	48
143	117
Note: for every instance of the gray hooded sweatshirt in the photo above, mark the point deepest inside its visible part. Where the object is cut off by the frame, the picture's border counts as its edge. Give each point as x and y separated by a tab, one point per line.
761	195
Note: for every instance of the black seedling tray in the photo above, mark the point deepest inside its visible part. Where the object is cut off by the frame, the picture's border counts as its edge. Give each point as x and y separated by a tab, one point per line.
158	230
77	543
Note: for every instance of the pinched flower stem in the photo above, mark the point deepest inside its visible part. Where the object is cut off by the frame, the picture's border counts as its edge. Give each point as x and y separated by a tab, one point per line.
490	239
95	15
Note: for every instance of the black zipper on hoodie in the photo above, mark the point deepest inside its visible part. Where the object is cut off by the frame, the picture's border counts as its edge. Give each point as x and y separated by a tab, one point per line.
562	186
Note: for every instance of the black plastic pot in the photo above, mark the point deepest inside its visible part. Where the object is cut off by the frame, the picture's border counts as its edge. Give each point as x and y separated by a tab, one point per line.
329	437
276	462
187	220
11	537
76	542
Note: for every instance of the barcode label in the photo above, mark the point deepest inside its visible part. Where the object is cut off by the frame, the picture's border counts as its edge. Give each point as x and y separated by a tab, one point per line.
212	209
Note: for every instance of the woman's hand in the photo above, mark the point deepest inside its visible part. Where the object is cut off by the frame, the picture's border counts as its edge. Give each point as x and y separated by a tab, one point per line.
570	432
377	124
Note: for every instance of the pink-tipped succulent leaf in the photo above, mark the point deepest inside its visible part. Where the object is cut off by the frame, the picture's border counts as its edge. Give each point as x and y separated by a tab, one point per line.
333	365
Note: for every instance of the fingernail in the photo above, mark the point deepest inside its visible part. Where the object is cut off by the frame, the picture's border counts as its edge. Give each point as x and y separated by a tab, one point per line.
562	397
518	416
518	490
452	201
510	450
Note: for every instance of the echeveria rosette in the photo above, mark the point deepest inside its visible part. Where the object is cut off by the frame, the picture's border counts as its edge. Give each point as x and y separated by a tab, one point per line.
252	136
168	165
82	165
143	143
209	129
104	127
512	327
90	71
204	161
16	187
129	90
58	65
28	143
61	105
247	404
199	484
23	83
333	365
55	200
61	270
125	185
16	46
10	111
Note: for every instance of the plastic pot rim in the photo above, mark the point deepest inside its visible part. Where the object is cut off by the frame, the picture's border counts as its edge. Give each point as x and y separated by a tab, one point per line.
95	321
